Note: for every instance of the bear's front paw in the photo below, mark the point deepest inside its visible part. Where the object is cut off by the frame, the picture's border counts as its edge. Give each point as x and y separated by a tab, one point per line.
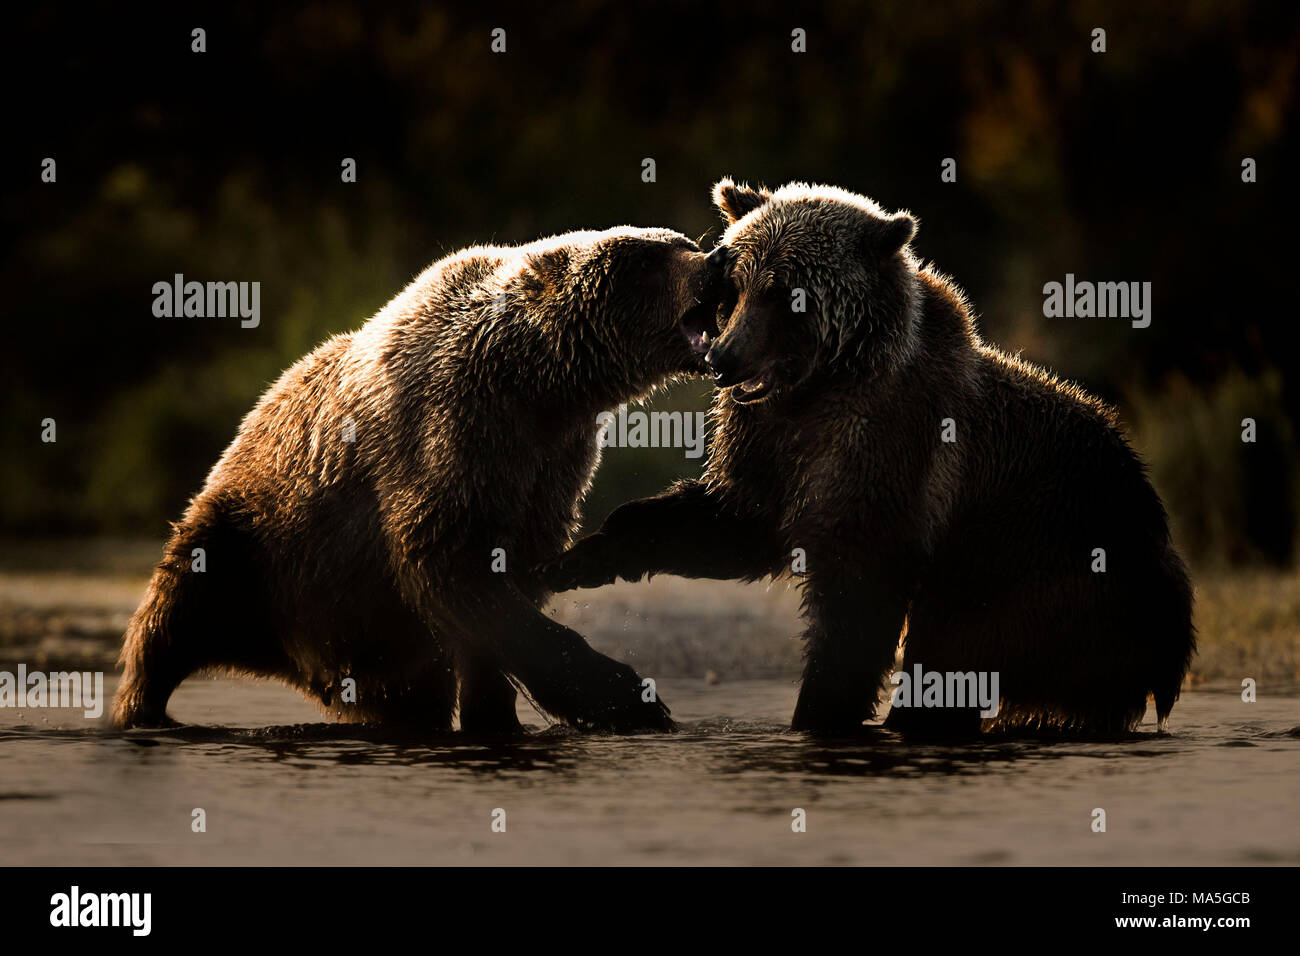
580	567
621	706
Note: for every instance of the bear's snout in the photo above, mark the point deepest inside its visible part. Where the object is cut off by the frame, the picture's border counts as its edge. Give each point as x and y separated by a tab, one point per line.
724	361
704	292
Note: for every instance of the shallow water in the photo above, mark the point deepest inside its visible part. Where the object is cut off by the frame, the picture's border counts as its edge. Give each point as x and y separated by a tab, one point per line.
278	786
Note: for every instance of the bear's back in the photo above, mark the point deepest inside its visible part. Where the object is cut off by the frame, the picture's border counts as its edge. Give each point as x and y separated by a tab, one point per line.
1046	447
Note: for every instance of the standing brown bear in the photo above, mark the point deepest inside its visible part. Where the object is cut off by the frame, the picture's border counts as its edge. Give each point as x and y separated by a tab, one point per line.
929	482
377	514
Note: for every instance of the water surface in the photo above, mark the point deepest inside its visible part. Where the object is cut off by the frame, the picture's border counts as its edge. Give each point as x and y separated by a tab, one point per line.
279	786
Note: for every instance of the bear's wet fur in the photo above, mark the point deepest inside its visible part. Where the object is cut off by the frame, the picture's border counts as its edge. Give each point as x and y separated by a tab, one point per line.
982	550
351	529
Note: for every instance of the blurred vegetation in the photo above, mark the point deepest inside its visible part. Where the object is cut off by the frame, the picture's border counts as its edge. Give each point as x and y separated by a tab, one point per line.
225	166
1230	500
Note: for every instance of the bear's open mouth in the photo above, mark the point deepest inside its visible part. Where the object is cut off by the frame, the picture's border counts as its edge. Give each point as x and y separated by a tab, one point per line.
753	389
700	326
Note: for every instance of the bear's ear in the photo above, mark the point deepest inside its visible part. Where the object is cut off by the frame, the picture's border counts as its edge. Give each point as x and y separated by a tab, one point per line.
736	202
886	236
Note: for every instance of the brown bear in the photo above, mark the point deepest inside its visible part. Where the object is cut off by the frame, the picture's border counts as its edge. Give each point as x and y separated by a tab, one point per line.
378	513
927	485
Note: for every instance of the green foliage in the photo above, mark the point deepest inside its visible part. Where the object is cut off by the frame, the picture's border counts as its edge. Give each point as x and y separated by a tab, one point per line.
1229	500
627	473
225	166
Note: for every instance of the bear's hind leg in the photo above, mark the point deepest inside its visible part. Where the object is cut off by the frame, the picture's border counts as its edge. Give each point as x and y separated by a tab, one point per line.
420	703
163	646
1066	661
935	723
204	608
937	649
151	667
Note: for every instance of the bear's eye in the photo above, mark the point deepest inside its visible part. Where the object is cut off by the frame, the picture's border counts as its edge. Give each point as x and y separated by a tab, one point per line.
780	295
730	296
787	298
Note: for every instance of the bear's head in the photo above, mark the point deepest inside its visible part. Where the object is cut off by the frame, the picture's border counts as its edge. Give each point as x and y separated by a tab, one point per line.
635	296
816	277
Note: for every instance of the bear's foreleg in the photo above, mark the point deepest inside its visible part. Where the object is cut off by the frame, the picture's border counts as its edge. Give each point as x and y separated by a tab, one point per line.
487	698
686	531
563	676
854	624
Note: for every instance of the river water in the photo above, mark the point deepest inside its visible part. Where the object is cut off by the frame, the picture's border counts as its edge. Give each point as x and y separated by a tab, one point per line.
277	786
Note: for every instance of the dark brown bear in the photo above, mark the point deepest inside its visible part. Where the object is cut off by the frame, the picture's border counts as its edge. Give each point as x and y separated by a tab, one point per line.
379	510
934	484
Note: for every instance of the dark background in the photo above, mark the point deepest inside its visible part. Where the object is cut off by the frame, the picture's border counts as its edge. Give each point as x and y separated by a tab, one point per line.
1122	166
